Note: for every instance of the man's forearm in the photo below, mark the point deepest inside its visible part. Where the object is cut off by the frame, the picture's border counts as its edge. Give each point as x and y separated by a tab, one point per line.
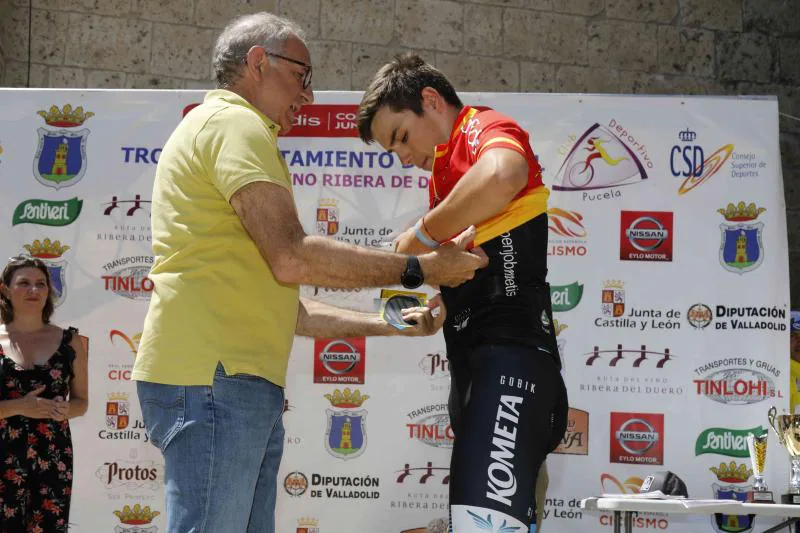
319	320
326	262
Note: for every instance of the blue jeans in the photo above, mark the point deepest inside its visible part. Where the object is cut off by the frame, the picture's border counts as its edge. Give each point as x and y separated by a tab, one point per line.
222	447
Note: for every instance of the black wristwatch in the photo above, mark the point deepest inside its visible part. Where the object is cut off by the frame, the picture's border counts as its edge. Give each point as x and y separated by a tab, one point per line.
412	277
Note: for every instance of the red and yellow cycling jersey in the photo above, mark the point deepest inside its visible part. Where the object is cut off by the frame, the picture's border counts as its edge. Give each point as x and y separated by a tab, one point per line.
475	132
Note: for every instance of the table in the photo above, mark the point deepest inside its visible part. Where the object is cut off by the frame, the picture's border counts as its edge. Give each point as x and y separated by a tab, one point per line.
624	509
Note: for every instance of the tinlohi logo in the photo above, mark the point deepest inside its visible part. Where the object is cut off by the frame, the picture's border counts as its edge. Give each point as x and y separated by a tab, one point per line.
127	277
433	430
737	381
737	386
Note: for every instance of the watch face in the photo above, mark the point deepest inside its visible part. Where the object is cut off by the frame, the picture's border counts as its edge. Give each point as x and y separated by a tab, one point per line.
411	280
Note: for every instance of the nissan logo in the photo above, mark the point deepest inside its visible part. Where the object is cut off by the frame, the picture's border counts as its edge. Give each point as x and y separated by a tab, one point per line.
653	237
339	361
647	438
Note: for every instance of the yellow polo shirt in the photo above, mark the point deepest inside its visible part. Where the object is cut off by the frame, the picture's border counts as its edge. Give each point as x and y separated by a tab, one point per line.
215	298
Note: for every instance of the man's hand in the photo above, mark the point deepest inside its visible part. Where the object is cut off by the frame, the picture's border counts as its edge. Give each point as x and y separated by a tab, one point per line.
428	319
450	264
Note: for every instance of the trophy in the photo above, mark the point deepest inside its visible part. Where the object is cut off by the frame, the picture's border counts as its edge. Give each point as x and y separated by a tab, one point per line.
787	428
757	446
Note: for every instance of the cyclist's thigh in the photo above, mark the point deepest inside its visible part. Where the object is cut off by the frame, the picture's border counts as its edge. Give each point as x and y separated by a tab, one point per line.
504	435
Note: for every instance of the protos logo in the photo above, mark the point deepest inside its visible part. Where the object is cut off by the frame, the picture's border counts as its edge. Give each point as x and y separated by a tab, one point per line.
646	236
637	438
339	360
132	475
435	365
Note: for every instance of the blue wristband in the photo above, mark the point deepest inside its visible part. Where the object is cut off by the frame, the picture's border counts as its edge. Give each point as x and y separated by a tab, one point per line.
430	243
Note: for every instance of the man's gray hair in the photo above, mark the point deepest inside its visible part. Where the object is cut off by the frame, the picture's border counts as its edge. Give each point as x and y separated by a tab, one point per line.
241	34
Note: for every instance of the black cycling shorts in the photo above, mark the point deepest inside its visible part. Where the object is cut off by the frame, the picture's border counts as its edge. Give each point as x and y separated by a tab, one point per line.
508	410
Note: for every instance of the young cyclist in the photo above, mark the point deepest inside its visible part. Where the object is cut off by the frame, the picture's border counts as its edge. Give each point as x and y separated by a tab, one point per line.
508	401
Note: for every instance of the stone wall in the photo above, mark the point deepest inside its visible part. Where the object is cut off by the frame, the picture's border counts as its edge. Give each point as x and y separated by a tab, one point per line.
606	46
5	11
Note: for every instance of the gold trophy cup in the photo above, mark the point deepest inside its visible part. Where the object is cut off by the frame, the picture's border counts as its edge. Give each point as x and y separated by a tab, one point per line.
757	446
787	428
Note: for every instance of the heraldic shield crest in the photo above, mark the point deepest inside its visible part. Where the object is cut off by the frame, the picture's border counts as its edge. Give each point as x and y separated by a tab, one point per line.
60	159
735	477
58	276
327	217
117	411
728	523
598	160
346	437
742	247
50	253
613	299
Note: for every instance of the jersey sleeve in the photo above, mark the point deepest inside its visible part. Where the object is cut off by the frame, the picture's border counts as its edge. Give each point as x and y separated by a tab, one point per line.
501	133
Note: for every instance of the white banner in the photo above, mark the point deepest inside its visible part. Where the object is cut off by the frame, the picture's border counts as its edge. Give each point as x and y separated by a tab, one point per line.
669	273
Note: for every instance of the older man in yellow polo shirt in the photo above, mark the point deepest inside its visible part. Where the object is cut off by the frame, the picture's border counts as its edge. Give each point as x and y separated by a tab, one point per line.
229	255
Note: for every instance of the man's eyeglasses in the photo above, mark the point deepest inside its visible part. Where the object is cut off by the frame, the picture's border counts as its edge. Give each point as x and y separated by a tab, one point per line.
306	66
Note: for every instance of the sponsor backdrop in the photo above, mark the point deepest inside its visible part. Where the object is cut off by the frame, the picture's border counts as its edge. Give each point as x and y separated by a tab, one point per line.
669	273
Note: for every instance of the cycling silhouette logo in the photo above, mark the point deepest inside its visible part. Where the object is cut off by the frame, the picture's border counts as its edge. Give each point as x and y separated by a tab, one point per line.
599	160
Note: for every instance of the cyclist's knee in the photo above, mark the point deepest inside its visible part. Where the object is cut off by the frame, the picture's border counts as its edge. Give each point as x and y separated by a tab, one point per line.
472	519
